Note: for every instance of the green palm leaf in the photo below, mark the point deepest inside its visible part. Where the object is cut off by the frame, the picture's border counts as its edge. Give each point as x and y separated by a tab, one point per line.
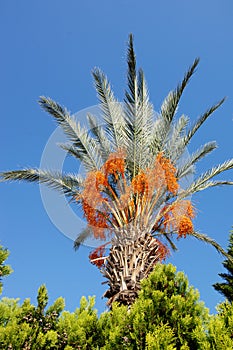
169	107
138	115
86	148
204	238
201	120
163	128
68	184
202	182
170	104
176	134
111	108
188	166
101	137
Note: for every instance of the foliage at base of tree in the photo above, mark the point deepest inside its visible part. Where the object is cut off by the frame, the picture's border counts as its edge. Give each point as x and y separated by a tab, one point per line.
220	328
30	327
226	288
167	315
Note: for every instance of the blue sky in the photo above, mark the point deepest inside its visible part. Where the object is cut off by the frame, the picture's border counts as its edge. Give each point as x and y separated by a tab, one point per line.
49	48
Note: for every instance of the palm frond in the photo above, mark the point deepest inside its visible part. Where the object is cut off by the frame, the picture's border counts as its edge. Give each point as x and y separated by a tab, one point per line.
201	120
93	148
98	131
131	94
146	111
209	184
69	184
79	137
170	104
162	128
131	106
71	150
172	244
84	234
158	135
203	181
184	169
184	141
111	108
207	239
138	114
175	136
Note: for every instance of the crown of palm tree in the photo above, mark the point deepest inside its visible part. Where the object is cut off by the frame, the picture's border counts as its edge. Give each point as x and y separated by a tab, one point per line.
133	163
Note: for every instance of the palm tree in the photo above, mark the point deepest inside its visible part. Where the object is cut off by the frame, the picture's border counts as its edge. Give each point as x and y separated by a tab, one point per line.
131	195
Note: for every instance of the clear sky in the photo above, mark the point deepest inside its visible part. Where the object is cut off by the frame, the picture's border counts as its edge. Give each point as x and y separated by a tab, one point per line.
49	48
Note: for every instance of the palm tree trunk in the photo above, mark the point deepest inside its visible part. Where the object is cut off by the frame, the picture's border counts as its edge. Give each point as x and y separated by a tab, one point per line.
131	259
